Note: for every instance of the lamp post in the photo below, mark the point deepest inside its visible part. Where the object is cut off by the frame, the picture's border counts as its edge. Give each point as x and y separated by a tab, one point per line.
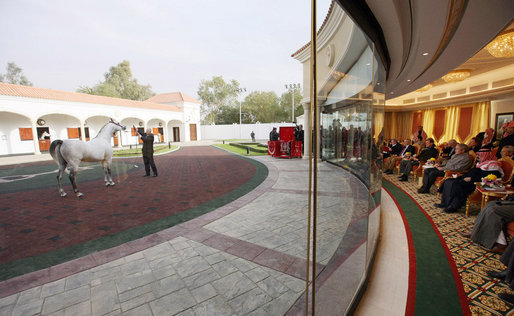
239	90
292	88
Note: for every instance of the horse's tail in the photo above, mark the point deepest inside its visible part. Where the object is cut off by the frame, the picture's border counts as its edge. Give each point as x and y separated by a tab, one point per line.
55	151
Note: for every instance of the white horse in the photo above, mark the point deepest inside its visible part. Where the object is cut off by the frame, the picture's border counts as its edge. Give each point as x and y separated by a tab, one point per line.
70	152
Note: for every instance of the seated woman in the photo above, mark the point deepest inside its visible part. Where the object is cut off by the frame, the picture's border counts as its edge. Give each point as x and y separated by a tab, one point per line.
454	192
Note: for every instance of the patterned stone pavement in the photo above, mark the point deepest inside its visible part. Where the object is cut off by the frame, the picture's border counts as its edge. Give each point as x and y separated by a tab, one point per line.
180	276
244	258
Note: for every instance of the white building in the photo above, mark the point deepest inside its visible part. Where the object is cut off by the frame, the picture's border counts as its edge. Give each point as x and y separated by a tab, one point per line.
30	118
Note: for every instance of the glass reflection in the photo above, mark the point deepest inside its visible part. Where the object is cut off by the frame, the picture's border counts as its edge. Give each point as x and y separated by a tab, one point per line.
349	176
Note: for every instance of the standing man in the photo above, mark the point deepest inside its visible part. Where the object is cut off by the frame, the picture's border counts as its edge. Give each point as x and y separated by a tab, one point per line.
420	135
147	139
273	135
252	134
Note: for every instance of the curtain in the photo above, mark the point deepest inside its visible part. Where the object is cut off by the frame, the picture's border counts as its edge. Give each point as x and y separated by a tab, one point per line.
399	124
428	122
480	117
450	123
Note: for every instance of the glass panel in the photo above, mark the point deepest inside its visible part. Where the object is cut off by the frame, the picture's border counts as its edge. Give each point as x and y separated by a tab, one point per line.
349	176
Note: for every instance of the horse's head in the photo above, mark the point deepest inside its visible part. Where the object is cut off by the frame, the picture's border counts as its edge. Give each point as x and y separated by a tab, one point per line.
117	126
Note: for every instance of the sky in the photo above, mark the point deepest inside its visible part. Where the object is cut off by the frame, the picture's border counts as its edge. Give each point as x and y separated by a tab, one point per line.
172	45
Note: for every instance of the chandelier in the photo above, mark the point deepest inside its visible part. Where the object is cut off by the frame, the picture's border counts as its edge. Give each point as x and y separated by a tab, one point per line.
456	75
502	46
425	88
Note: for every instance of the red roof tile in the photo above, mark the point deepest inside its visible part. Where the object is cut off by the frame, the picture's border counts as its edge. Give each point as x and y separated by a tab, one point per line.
173	97
41	93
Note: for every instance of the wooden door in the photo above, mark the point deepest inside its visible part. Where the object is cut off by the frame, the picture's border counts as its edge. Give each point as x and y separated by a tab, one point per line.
43	136
73	132
192	131
176	134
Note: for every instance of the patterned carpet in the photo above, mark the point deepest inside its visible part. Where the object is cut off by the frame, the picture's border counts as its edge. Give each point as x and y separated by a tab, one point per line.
472	261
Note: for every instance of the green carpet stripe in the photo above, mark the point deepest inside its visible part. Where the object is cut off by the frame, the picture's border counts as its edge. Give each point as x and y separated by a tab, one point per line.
15	268
436	291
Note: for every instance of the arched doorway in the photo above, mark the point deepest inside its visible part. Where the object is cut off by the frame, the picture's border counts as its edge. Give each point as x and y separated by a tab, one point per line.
176	131
158	129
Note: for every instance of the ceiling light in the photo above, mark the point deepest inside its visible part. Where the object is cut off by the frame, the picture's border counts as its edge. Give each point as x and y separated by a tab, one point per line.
456	75
502	46
408	80
425	88
425	54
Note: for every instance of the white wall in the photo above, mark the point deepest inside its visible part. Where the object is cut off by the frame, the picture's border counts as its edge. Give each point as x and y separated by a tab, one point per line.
500	106
10	142
235	131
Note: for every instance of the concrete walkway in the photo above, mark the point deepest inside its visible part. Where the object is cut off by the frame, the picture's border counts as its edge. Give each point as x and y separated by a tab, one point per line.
245	258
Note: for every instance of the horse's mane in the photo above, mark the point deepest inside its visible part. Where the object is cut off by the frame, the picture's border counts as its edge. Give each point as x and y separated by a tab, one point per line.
100	131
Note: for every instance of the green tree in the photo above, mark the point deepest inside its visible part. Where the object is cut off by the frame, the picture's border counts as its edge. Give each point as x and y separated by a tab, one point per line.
215	94
263	107
119	83
228	115
285	103
14	75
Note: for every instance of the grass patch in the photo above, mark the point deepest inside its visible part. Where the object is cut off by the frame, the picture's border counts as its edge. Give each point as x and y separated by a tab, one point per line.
234	140
238	150
137	151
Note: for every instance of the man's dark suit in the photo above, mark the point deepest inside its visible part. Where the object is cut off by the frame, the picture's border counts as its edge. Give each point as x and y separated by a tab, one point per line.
148	153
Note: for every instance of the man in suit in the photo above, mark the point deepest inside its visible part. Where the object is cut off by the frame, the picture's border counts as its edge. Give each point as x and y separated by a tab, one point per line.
390	162
428	152
458	162
147	150
395	148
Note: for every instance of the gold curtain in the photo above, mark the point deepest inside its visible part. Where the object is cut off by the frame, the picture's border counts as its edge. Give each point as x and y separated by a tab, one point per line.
378	124
399	124
451	120
480	117
429	121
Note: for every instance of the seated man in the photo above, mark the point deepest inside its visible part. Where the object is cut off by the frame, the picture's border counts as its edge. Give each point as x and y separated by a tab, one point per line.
394	148
390	162
459	161
455	191
488	228
507	275
428	152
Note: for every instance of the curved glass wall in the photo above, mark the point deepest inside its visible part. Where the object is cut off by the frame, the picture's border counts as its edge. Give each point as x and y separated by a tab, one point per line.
351	106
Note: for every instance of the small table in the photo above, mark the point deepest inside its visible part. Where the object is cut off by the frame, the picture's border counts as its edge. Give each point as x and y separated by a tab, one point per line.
487	193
